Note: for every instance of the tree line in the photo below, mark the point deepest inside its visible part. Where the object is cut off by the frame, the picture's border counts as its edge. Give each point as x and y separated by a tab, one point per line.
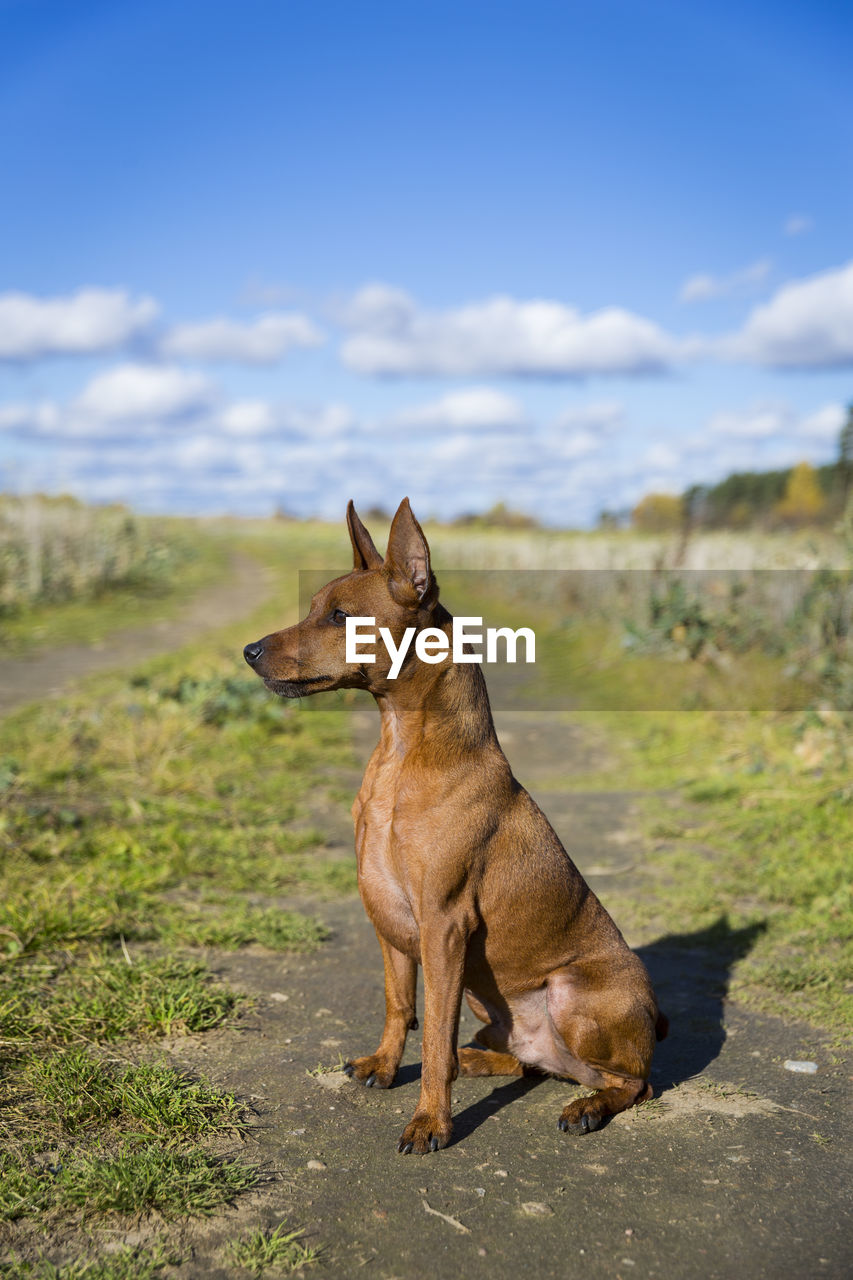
795	496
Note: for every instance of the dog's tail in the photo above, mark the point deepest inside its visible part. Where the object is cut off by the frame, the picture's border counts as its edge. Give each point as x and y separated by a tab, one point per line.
661	1026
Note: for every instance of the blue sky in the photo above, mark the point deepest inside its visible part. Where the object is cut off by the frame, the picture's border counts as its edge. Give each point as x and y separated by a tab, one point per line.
280	254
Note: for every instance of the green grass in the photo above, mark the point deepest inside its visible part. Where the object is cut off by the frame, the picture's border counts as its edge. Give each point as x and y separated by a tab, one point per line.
101	999
750	816
278	1249
144	816
271	927
131	1180
126	1263
79	1093
155	808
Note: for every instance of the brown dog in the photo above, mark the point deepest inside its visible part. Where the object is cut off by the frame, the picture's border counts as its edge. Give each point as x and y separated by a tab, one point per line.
458	869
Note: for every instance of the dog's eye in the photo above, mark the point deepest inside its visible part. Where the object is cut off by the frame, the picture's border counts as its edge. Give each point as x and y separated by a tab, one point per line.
339	617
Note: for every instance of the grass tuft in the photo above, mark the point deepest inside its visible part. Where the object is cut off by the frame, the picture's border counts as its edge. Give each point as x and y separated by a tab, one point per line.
131	1181
126	1263
236	924
281	1249
105	999
78	1092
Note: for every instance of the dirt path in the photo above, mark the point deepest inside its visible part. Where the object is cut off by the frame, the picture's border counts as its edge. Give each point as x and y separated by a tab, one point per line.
47	674
735	1170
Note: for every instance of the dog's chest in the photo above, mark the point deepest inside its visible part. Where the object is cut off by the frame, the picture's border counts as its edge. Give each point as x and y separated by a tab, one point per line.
383	841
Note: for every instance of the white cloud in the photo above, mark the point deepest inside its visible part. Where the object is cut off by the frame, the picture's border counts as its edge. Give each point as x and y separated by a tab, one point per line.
763	437
247	418
264	341
700	288
151	407
823	424
30	419
327	422
760	423
581	430
806	324
392	335
798	224
252	419
83	323
147	398
662	458
133	391
577	444
473	407
379	308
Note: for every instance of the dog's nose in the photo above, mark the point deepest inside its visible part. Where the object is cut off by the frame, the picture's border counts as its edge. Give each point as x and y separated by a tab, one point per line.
252	652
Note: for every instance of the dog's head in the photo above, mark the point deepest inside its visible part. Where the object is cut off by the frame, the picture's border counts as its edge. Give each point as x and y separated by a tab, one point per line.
399	591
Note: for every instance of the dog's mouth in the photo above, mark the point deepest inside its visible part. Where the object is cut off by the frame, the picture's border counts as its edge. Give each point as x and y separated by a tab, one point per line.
296	688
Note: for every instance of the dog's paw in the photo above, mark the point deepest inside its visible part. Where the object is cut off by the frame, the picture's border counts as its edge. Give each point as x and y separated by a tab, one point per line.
374	1072
424	1133
580	1116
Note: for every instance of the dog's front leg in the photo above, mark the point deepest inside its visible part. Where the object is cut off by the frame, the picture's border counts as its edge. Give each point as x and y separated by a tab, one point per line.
401	976
443	947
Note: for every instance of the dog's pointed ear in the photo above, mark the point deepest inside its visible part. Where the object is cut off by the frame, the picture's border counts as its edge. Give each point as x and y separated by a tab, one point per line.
364	553
407	558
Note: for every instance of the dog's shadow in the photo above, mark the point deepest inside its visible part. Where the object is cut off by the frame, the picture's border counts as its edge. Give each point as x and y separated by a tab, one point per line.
690	973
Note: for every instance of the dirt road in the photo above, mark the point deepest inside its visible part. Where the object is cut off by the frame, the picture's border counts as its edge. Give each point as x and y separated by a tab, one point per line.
47	674
736	1170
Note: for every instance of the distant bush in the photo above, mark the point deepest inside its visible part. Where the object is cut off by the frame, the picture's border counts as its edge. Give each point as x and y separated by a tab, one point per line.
658	513
500	516
806	617
57	549
220	700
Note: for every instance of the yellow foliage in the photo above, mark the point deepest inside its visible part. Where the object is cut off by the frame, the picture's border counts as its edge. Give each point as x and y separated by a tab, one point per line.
804	499
658	513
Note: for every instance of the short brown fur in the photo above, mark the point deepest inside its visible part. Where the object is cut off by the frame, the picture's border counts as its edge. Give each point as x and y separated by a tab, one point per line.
460	871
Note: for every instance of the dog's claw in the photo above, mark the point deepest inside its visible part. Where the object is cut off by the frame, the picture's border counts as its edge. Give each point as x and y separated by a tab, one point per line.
587	1123
426	1133
373	1072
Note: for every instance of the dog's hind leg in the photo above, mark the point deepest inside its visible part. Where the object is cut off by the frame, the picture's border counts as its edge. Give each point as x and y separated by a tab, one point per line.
495	1034
401	976
493	1059
609	1035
